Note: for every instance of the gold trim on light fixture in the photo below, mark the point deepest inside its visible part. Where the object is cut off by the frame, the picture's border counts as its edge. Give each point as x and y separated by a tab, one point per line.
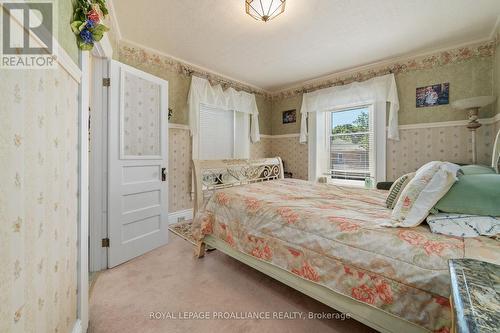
264	10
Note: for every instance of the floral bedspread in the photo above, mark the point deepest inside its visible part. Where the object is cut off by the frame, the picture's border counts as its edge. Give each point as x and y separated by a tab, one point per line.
332	236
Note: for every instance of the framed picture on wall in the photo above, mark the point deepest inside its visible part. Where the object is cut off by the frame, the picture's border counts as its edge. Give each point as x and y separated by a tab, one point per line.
289	116
436	94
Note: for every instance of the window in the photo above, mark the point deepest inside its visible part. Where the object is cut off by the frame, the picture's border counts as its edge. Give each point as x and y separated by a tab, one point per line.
223	134
351	154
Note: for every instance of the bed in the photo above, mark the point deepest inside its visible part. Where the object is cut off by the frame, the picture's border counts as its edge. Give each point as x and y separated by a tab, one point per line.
326	241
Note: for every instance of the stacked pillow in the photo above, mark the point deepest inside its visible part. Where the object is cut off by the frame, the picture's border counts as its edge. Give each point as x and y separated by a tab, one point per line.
396	189
474	193
475	169
429	184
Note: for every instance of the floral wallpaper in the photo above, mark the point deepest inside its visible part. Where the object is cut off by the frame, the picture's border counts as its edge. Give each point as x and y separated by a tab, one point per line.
453	144
416	147
261	149
141	117
38	201
179	170
293	154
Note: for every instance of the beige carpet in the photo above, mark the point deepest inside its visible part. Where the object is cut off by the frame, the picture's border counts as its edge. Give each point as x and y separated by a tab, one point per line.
171	280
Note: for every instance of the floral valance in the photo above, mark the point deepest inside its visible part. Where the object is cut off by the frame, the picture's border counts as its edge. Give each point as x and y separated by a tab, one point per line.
201	92
377	91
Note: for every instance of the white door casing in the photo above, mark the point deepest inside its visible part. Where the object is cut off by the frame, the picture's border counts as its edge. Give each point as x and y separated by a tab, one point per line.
137	162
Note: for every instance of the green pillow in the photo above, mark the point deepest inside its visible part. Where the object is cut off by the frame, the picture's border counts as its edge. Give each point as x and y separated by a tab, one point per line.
475	169
473	194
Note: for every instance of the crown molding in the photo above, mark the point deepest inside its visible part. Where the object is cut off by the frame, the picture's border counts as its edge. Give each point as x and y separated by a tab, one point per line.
188	68
424	60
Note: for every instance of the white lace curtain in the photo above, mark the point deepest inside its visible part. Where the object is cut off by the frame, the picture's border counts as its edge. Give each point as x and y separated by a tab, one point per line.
377	91
201	92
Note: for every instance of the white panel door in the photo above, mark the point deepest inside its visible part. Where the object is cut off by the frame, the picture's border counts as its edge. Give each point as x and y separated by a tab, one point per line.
137	152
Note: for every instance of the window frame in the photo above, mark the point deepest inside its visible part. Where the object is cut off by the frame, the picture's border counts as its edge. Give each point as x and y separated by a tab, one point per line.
372	153
318	144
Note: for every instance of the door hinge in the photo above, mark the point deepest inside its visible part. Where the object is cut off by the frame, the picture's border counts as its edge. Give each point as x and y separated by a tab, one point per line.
106	82
105	242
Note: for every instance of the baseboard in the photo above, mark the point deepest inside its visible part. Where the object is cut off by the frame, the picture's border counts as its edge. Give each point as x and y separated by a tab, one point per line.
186	214
77	328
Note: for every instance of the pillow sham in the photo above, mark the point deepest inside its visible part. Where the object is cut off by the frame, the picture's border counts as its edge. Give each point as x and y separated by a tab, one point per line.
473	194
476	169
430	183
461	225
396	189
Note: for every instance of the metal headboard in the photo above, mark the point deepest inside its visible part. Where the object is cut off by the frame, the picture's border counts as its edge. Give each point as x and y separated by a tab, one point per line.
496	153
211	175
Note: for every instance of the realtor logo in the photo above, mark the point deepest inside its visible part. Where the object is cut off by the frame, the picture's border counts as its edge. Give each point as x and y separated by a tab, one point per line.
27	32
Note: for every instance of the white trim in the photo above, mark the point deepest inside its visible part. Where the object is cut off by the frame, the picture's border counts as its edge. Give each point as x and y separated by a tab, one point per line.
173	217
103	48
77	328
178	126
99	166
280	136
67	63
451	123
83	193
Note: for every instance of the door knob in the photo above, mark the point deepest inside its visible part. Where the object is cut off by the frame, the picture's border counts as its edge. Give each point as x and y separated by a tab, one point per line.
163	174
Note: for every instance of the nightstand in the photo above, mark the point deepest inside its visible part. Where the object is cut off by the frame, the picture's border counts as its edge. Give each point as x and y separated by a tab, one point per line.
475	296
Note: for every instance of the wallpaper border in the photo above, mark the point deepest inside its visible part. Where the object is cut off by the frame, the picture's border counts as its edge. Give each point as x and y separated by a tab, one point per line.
395	66
146	55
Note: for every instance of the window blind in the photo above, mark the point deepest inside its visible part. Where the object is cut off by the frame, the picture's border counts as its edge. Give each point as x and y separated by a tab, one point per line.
216	137
352	144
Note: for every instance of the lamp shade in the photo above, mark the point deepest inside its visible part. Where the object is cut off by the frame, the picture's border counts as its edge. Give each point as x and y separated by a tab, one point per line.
264	10
473	102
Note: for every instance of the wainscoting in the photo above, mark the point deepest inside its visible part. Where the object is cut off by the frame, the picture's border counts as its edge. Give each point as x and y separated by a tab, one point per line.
419	144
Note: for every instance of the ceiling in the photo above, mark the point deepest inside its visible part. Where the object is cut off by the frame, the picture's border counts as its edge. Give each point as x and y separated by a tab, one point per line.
312	38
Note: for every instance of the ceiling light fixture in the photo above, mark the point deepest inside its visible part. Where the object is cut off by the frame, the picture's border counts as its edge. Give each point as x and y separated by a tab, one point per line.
264	10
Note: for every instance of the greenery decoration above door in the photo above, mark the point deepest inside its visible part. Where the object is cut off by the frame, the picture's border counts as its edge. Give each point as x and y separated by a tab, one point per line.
86	23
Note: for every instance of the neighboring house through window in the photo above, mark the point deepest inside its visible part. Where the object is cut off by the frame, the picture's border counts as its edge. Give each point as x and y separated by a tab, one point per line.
350	136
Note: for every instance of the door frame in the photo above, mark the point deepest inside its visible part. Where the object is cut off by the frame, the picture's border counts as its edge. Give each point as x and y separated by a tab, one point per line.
98	167
98	162
103	49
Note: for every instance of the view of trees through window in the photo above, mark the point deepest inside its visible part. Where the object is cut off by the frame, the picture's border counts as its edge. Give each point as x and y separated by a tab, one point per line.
350	144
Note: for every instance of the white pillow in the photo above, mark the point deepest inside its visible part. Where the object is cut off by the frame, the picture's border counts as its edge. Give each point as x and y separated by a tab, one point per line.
431	182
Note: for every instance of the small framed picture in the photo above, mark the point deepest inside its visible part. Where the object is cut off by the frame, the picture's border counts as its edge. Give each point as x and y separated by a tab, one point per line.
289	116
436	94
